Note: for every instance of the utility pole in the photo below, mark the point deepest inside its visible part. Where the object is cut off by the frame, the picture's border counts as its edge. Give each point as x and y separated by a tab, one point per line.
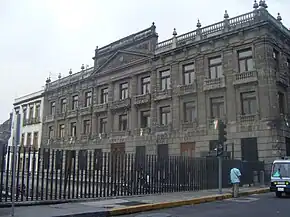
221	126
15	140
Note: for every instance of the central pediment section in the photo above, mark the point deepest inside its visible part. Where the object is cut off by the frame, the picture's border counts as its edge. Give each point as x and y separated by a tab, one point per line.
120	59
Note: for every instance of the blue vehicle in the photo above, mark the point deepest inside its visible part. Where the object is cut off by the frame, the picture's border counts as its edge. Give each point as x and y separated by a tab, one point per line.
280	177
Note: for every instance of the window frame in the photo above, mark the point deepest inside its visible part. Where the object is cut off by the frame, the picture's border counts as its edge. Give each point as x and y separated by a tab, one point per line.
124	91
248	97
245	59
193	112
165	112
61	131
166	78
121	126
145	85
219	104
145	114
73	129
75	102
190	73
215	66
86	127
52	108
63	105
88	98
103	125
104	95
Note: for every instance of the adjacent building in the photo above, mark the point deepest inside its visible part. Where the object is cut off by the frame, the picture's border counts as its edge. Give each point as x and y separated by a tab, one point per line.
148	97
30	108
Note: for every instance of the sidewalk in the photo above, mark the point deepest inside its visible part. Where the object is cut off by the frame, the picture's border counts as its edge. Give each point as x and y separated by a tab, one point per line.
125	205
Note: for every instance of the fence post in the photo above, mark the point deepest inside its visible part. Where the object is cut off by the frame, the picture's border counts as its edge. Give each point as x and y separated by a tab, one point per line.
255	178
262	178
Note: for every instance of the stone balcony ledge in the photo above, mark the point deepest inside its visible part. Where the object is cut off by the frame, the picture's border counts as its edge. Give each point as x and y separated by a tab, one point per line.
143	131
163	128
142	99
120	133
122	103
101	107
162	94
49	118
186	89
246	118
245	77
213	83
189	125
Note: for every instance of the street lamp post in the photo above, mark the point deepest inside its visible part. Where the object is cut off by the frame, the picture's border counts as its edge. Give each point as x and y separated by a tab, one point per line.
14	157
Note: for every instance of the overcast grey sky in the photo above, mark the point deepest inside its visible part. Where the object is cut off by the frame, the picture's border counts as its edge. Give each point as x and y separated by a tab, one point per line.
42	36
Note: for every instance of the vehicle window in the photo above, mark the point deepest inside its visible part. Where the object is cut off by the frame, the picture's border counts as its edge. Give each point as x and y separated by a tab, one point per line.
281	170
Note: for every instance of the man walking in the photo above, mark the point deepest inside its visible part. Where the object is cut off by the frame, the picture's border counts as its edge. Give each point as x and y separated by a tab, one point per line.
235	175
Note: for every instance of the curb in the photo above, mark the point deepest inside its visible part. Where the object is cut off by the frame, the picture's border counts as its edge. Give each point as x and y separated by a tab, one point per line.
156	206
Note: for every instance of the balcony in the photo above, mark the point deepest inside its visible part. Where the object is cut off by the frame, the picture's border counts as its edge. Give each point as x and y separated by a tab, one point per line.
121	104
186	89
85	110
163	94
61	115
189	125
245	77
72	113
49	118
213	83
142	99
163	128
248	118
143	131
282	79
101	107
120	133
85	137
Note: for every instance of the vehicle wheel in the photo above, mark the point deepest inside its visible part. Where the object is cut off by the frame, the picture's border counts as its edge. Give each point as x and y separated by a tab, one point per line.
279	194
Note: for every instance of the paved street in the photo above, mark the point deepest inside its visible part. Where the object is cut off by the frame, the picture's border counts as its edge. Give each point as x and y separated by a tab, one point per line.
264	205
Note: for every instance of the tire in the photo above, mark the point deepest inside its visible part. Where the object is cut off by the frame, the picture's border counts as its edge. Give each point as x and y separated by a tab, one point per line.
278	194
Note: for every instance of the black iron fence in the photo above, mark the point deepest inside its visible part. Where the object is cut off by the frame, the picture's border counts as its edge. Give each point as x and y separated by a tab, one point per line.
46	174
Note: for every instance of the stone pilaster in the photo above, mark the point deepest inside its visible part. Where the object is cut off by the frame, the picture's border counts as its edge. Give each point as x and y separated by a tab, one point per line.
134	112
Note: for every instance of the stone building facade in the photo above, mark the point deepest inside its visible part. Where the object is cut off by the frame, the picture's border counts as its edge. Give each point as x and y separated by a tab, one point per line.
142	96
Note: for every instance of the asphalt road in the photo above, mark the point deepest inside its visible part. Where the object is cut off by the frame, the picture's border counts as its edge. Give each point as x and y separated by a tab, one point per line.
264	205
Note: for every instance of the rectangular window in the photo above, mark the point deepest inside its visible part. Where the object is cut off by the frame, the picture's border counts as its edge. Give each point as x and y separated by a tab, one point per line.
88	99
31	108
87	127
188	74
215	67
249	104
165	117
28	140
124	91
145	85
245	60
35	139
281	102
276	59
103	125
217	107
73	129
104	95
52	108
50	132
22	139
123	122
61	131
189	112
37	112
63	105
145	119
165	80
75	102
